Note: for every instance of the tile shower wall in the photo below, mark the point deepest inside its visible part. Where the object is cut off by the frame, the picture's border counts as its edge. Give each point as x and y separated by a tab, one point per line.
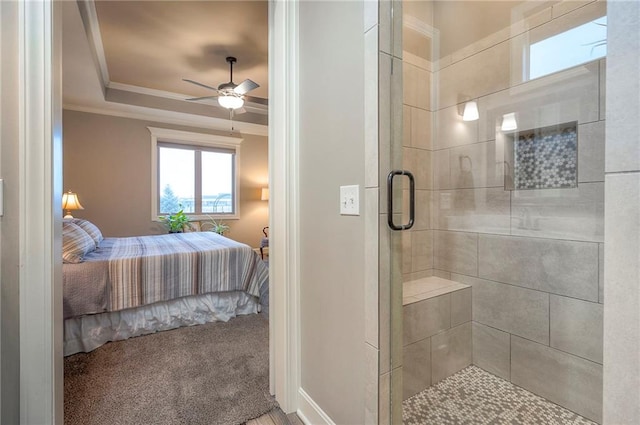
534	256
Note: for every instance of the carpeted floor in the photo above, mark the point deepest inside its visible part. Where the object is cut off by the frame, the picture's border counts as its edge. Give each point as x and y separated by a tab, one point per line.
211	374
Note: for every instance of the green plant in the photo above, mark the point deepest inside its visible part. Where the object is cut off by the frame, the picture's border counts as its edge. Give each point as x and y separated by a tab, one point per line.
176	222
215	226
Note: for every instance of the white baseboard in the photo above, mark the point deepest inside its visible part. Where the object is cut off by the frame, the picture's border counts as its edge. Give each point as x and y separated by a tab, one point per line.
310	413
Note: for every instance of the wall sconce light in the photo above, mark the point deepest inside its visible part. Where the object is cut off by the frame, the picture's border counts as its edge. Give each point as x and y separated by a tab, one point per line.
265	194
70	202
470	111
509	122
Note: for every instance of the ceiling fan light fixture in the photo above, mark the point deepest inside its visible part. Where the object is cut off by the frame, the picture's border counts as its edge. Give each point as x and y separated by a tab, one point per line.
230	102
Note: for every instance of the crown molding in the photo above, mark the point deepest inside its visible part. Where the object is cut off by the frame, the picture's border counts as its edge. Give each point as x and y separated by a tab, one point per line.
91	24
249	106
169	117
89	16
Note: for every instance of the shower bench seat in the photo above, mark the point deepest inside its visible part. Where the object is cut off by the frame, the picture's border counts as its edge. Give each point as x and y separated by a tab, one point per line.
437	340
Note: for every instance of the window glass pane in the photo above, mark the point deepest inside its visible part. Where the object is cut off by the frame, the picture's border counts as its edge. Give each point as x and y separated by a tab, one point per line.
578	45
217	182
177	182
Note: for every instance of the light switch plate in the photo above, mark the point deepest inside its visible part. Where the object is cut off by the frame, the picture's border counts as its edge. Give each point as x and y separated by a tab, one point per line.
350	200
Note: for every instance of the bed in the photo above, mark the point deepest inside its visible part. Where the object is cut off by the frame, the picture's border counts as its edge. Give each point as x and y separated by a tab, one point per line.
127	287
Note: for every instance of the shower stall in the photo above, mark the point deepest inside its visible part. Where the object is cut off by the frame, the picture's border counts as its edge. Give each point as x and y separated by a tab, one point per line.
495	195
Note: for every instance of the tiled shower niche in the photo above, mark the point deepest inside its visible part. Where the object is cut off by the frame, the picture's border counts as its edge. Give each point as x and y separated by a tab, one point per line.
542	158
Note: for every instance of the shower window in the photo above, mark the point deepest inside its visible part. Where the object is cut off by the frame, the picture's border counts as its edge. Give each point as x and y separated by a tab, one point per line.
576	46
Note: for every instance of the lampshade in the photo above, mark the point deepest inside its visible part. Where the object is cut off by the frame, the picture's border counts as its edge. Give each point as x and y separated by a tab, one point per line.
470	111
509	122
70	202
265	194
230	102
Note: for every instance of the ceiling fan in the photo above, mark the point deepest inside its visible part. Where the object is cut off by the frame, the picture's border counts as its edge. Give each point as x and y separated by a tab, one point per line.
230	96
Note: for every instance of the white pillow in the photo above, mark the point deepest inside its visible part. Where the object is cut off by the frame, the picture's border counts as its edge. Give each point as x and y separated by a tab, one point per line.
76	243
90	228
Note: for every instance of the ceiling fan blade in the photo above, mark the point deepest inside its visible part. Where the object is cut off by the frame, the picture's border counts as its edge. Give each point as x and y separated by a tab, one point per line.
239	111
200	84
203	98
258	100
245	87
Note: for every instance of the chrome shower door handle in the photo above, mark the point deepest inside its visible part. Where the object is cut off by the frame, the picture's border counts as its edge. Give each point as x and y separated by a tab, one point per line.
412	199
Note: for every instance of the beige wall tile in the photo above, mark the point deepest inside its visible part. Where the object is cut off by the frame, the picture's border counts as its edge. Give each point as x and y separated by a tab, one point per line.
421	128
451	351
417	275
371	107
591	152
603	89
456	252
442	274
481	74
472	210
423	210
406	252
492	350
406	126
384	399
416	368
511	309
416	86
426	318
576	327
601	273
384	123
451	130
560	267
564	379
564	7
460	307
441	169
421	250
396	394
371	385
384	25
575	214
570	95
384	295
371	224
477	165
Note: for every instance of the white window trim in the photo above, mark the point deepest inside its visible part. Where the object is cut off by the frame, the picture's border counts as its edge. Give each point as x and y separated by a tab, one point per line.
191	138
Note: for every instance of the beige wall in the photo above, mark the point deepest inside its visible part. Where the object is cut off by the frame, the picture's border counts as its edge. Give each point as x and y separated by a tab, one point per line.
332	246
107	162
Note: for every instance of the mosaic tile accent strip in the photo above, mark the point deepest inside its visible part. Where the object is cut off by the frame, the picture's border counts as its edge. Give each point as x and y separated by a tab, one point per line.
547	158
474	396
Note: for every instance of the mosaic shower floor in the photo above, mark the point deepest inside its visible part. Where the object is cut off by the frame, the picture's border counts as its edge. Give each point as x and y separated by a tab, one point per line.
473	396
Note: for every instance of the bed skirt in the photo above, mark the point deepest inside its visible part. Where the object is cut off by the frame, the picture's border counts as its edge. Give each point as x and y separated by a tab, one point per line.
86	333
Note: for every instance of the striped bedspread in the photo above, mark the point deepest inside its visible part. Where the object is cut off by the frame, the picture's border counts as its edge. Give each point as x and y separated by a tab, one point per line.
148	269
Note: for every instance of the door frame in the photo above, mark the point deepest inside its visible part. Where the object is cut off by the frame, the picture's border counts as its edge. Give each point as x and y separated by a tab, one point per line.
40	188
40	211
284	267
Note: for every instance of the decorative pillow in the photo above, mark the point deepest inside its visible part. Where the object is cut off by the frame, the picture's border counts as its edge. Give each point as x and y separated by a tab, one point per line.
90	228
76	243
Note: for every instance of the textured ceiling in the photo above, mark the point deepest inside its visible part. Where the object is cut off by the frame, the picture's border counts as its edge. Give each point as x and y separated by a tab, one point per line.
154	44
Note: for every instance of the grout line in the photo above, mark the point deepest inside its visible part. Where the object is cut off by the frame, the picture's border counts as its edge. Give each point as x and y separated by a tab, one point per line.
556	349
517	236
525	288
